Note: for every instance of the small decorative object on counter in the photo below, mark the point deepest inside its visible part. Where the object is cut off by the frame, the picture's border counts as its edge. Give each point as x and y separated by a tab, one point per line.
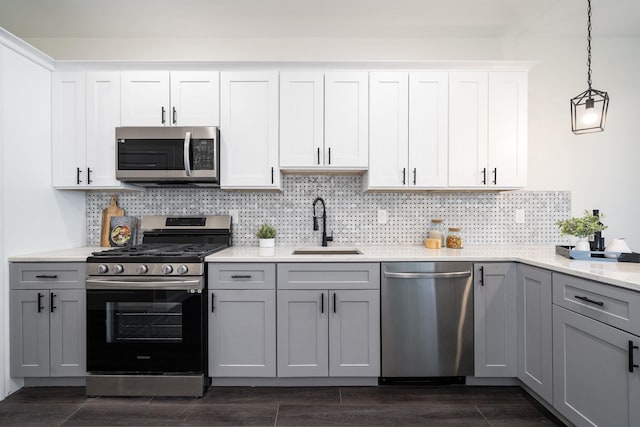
454	238
436	231
597	242
430	243
617	245
266	236
107	213
581	228
123	231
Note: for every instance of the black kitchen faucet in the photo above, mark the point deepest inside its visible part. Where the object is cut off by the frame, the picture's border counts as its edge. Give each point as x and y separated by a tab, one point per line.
325	239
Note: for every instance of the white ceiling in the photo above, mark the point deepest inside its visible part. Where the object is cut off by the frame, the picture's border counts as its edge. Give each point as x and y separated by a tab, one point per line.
33	19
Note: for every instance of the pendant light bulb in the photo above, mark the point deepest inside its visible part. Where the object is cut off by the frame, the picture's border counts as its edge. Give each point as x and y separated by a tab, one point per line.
590	115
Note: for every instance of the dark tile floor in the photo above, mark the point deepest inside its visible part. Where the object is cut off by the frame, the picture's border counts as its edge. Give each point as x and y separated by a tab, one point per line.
270	406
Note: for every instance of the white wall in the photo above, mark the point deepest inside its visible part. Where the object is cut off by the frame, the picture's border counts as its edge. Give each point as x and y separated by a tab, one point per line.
34	216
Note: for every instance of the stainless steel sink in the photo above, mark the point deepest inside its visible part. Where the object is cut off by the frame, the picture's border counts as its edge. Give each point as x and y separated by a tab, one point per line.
326	251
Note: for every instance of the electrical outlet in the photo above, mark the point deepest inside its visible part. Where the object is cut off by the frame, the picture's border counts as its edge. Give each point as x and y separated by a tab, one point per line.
383	218
234	215
520	216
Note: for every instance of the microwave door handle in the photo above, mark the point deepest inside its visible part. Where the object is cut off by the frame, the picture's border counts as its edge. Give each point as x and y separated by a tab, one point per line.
187	156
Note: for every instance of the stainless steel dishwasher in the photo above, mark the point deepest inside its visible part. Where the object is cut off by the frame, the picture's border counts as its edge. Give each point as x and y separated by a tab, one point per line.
427	319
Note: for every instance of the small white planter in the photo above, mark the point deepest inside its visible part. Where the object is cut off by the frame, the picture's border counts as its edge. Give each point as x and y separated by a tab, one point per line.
267	243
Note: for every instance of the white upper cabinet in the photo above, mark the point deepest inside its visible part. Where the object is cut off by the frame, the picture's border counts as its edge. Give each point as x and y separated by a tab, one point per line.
408	130
488	129
302	120
249	130
346	127
161	98
508	129
324	121
468	113
86	111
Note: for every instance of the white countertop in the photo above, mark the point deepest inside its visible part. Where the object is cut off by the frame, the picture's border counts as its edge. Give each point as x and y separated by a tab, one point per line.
623	274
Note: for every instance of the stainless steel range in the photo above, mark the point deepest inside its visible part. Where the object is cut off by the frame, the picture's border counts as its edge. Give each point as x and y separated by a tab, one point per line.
146	309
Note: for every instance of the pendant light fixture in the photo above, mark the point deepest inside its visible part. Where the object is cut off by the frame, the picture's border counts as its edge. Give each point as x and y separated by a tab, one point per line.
589	109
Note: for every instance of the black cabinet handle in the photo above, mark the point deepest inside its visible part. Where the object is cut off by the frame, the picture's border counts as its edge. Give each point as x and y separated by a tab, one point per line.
586	299
334	303
329	155
484	175
318	155
40	307
631	364
404	174
175	115
78	172
51	297
481	280
213	302
162	111
495	176
321	303
414	176
272	174
47	276
241	276
89	180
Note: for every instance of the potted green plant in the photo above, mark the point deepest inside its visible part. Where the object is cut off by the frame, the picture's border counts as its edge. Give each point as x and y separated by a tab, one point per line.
266	236
582	228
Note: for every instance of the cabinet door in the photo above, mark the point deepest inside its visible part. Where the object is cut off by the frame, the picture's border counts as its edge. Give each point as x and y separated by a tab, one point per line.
103	116
535	330
68	130
195	98
354	333
145	98
303	333
67	313
428	129
495	320
346	119
29	333
242	333
389	130
301	119
507	157
591	379
468	97
249	130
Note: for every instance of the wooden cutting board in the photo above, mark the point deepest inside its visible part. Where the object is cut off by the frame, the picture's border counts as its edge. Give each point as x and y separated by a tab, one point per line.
107	213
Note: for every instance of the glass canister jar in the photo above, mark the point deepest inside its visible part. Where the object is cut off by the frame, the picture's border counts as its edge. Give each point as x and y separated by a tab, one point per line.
436	231
454	238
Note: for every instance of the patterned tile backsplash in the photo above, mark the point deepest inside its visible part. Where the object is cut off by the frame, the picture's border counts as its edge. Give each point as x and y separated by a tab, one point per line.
352	215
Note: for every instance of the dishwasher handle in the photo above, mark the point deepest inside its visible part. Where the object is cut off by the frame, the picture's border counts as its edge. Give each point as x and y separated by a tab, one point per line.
447	275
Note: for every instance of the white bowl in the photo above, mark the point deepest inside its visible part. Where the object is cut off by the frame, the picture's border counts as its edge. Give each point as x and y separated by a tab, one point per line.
617	245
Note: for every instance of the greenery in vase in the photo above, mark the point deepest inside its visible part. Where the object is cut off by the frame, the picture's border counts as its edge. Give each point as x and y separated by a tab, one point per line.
581	227
266	232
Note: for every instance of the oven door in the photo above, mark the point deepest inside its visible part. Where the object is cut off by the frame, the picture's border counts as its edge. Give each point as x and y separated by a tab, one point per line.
145	331
167	154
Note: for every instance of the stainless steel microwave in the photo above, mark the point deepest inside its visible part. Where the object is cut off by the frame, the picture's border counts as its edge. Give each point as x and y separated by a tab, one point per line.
168	156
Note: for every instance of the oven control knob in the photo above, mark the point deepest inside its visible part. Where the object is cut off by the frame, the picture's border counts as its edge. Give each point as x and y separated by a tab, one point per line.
142	269
167	269
103	268
118	268
183	269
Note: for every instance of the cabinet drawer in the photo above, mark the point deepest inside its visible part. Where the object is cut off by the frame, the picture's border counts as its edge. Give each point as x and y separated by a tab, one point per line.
242	276
46	275
328	275
609	304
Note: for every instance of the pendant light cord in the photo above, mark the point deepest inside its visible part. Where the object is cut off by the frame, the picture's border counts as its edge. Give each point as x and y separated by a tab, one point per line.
589	43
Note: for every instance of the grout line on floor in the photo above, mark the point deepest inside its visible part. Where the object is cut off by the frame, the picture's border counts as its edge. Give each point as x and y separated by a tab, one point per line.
275	422
340	394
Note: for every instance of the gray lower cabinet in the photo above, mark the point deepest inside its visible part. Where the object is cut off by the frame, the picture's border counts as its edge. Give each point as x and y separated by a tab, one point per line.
535	333
331	331
242	320
47	319
596	380
48	333
495	343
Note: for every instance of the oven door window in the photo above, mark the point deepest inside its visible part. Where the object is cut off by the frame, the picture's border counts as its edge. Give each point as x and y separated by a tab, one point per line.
151	331
151	322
